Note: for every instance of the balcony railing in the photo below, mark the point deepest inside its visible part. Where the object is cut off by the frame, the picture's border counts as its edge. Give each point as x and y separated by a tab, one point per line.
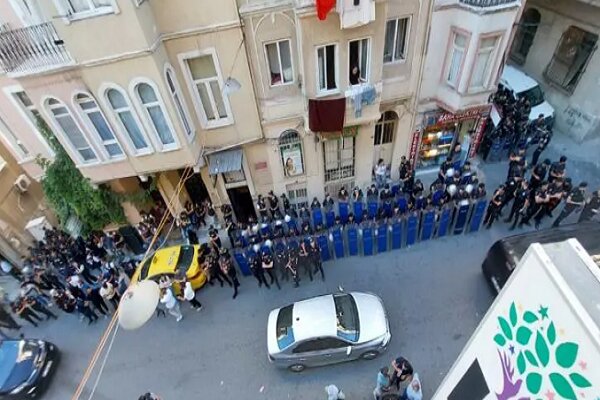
32	49
487	3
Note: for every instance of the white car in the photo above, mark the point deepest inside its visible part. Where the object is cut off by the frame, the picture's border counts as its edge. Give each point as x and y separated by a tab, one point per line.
523	85
327	329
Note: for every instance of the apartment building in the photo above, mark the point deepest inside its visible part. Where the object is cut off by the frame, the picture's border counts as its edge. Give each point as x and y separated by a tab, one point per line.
252	95
556	43
23	211
467	49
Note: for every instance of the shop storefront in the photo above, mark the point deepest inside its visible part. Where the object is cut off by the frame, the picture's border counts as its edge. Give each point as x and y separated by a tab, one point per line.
443	131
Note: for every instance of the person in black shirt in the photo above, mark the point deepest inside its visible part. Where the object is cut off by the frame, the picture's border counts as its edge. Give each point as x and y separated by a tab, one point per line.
229	271
556	194
357	194
539	174
480	192
343	194
494	207
315	256
261	206
446	165
292	264
315	204
542	144
286	203
372	193
304	259
575	201
520	204
408	182
328	202
402	371
591	207
404	164
510	189
268	266
536	209
557	169
257	269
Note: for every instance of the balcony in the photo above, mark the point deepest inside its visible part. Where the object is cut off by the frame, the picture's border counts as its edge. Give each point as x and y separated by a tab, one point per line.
31	50
488	3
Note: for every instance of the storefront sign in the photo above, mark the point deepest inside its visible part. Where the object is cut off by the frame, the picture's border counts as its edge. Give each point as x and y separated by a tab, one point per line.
463	115
414	147
292	159
478	136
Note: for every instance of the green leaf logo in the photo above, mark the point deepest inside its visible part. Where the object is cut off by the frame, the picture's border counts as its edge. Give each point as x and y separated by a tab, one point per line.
505	328
579	380
521	363
562	386
566	354
551	333
499	339
531	358
523	335
529	317
534	382
513	315
541	349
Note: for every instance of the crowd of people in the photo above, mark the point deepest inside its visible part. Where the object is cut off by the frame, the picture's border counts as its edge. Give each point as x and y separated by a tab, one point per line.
76	275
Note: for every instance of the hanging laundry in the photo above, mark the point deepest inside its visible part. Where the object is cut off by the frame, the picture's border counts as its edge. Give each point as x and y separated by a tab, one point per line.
323	8
364	94
355	13
326	115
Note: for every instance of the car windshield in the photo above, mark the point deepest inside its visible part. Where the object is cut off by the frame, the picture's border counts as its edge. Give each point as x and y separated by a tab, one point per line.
346	313
146	268
186	256
285	333
9	350
534	95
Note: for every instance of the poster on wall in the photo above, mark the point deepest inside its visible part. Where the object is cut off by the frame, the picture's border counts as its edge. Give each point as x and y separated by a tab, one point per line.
292	160
414	147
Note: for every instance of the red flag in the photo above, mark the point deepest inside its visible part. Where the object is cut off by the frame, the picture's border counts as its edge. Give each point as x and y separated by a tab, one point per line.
323	7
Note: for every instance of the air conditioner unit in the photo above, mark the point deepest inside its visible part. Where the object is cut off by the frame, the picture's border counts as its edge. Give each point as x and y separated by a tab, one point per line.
22	183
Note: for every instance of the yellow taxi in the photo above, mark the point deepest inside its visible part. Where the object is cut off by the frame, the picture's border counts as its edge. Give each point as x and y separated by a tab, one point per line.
172	262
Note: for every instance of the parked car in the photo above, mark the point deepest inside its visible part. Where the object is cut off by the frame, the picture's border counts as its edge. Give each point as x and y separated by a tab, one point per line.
171	262
523	85
26	367
505	254
327	329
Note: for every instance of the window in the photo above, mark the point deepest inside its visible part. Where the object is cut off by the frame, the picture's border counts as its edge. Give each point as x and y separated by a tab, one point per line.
284	327
396	40
346	316
179	104
208	90
297	195
385	128
339	158
155	114
86	6
91	110
327	68
67	124
358	58
457	55
122	109
483	62
17	145
525	35
290	148
571	57
279	59
30	113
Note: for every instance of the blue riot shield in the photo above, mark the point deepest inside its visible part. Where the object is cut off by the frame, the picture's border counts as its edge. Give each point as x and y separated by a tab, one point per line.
338	242
387	208
477	215
344	210
382	237
436	197
428	224
396	234
330	218
352	235
358	211
445	221
265	230
367	239
395	189
461	218
292	227
317	216
402	204
244	239
412	227
242	261
372	209
323	243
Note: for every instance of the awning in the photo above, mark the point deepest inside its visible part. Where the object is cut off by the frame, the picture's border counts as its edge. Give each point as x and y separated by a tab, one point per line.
225	161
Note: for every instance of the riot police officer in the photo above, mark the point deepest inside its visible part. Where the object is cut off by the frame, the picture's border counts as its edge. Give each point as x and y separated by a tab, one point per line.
257	268
268	265
315	257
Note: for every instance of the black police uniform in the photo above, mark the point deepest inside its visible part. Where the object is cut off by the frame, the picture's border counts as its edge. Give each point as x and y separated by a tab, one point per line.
588	210
268	266
521	196
257	271
493	209
576	196
540	170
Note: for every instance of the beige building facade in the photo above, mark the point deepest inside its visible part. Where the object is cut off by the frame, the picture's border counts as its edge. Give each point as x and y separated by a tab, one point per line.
250	96
556	44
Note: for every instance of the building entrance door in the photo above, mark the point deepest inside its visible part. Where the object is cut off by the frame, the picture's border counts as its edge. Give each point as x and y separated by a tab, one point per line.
241	202
195	188
383	140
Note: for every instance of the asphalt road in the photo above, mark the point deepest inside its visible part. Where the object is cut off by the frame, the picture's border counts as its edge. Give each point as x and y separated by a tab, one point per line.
434	293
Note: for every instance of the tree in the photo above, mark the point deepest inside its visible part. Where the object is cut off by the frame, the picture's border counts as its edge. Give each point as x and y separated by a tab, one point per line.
69	193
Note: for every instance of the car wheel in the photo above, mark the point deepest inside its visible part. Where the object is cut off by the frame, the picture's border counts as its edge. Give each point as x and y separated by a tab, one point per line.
369	355
297	368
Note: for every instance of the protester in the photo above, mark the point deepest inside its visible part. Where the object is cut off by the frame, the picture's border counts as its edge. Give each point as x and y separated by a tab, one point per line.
382	383
170	301
575	201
